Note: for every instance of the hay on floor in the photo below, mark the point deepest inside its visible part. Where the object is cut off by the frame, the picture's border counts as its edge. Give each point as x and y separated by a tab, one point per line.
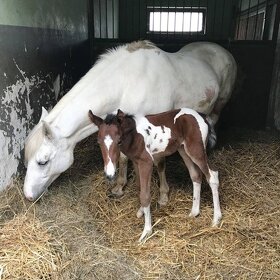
77	232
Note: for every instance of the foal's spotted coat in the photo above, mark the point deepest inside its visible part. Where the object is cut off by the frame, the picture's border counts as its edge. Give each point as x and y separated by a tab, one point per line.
146	140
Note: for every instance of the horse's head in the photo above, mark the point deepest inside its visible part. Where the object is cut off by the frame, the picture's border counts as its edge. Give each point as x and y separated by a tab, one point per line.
109	137
47	155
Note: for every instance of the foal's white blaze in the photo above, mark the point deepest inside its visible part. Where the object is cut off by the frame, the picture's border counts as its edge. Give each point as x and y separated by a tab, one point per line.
203	127
109	168
156	138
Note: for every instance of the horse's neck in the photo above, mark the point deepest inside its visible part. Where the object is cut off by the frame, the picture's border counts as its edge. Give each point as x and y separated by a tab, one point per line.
70	115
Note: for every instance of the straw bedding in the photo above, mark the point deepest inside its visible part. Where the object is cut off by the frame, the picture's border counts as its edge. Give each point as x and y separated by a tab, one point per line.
77	232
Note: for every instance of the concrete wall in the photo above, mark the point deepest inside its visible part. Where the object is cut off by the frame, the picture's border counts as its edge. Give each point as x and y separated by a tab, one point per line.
43	52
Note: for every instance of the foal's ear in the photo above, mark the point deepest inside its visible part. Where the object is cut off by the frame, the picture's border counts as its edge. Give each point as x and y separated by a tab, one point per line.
120	114
95	119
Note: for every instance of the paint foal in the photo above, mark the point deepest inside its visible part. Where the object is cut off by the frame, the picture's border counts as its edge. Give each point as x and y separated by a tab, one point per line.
145	140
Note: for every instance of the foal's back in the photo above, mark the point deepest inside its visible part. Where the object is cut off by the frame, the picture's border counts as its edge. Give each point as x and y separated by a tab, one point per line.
164	133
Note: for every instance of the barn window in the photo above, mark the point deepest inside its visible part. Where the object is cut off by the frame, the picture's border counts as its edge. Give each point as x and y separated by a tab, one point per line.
176	20
255	20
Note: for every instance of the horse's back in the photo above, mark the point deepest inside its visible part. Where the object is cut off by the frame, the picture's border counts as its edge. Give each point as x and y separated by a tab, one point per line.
219	59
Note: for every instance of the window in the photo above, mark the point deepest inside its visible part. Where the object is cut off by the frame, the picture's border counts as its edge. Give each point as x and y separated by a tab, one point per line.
176	20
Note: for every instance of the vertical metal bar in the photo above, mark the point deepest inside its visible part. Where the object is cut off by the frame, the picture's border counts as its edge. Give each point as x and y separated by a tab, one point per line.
205	19
183	21
160	14
175	18
265	35
100	22
198	12
256	20
106	18
191	6
239	20
276	24
222	23
113	19
247	22
153	18
91	31
214	19
167	19
139	19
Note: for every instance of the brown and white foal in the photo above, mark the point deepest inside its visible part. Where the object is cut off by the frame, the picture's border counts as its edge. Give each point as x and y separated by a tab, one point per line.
146	140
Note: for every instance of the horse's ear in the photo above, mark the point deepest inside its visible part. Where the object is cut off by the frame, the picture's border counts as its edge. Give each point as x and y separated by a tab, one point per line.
47	131
95	119
43	114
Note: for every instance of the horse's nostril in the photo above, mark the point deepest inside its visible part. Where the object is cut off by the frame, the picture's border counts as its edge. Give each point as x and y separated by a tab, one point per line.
30	198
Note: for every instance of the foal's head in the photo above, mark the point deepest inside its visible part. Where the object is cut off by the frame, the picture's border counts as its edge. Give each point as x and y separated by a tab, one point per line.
109	139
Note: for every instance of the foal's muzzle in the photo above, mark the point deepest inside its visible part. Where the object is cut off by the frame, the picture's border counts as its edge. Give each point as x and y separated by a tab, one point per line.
110	177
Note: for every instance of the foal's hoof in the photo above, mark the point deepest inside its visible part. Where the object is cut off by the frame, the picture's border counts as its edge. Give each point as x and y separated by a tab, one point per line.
194	214
145	234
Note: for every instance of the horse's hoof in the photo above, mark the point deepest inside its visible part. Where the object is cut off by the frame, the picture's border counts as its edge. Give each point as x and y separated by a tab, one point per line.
163	200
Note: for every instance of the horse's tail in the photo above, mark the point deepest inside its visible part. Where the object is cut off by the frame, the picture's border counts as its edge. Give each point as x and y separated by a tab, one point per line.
212	137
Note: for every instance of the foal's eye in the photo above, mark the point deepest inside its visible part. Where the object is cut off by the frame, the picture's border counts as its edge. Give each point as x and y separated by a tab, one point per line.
42	163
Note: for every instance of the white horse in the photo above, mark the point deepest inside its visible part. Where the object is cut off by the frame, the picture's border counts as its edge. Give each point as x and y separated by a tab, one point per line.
138	78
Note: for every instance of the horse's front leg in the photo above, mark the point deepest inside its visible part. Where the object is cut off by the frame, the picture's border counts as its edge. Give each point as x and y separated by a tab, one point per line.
145	173
122	176
163	186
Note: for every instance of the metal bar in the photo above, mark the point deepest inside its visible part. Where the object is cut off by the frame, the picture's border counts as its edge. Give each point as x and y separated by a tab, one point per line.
106	18
91	31
256	20
276	24
113	19
214	19
183	21
100	23
239	19
167	19
265	35
247	22
198	20
222	23
175	18
191	6
160	11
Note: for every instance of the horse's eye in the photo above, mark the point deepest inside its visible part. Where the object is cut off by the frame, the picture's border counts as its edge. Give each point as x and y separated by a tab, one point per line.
120	142
42	163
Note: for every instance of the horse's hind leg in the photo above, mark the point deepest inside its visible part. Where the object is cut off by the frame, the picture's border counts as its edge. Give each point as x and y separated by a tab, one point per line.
196	177
163	188
122	176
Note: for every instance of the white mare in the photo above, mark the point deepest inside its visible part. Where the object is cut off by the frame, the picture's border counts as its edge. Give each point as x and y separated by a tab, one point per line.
138	78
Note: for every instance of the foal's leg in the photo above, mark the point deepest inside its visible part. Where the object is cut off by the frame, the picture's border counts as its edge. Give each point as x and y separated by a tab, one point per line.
199	157
196	177
163	188
122	176
145	174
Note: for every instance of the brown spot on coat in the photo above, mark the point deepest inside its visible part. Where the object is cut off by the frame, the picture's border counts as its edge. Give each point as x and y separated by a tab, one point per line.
134	46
